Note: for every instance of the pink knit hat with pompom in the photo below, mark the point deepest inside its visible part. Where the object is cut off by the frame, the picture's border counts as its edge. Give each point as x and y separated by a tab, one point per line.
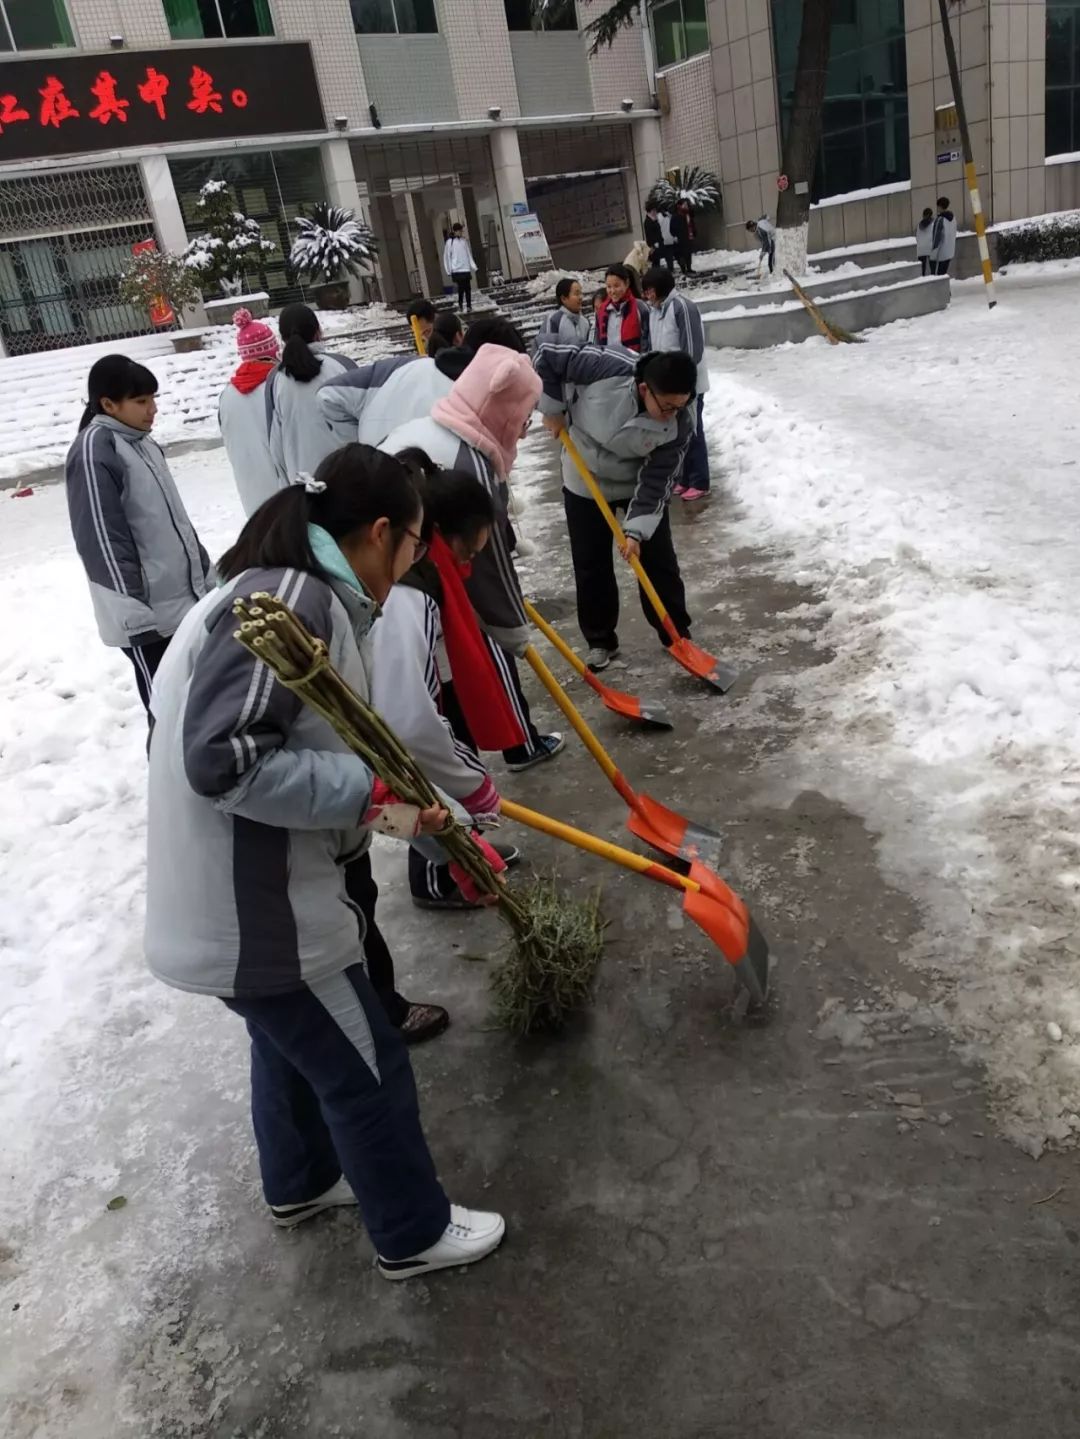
254	340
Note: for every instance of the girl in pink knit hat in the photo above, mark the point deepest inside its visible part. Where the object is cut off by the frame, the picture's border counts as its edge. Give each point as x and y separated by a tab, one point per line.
242	413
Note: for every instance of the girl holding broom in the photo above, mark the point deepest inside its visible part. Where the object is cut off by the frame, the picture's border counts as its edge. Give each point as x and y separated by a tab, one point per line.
255	806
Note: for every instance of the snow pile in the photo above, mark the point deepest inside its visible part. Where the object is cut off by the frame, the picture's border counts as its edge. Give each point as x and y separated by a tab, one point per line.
543	285
927	484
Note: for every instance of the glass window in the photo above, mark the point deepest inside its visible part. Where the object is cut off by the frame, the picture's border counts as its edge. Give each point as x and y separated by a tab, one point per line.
1062	77
34	25
218	19
394	17
559	16
864	141
680	30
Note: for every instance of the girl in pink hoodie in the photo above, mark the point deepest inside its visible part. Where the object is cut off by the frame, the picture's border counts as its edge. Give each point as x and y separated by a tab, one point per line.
476	428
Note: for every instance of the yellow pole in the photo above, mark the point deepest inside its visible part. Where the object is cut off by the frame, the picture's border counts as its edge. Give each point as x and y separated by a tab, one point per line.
970	178
573	714
418	339
555	639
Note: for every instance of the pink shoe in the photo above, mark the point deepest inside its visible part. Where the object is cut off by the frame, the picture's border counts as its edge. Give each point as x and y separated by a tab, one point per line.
679	490
692	494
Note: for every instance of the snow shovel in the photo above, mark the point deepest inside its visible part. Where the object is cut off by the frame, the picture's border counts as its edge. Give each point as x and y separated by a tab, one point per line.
707	900
418	339
646	712
650	820
691	656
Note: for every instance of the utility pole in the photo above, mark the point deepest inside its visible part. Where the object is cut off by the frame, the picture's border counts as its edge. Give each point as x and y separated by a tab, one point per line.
969	158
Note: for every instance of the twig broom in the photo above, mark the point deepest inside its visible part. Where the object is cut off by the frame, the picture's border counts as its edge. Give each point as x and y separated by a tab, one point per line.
557	943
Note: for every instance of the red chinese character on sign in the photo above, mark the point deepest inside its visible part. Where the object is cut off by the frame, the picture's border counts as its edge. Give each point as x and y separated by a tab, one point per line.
154	89
239	99
203	95
10	111
108	106
55	105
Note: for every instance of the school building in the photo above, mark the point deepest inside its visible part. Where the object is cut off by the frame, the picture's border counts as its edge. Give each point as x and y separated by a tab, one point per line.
418	113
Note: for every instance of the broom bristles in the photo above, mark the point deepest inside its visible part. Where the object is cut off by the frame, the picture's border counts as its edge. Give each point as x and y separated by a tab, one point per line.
550	968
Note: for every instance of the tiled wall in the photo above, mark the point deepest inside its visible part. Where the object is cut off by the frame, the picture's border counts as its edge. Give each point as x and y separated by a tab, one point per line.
327	24
689	132
408	78
480	58
1018	107
618	71
552	72
744	78
141	22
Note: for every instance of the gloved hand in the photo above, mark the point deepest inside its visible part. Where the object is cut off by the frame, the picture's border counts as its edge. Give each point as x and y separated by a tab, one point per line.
465	882
484	802
386	814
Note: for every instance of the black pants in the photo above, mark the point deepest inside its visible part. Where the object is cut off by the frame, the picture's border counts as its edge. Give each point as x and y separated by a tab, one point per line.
593	554
507	670
695	475
941	267
927	264
428	880
663	255
361	888
332	1091
686	259
463	280
145	660
771	252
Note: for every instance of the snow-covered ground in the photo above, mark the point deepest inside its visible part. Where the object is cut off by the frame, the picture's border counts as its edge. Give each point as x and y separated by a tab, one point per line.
928	481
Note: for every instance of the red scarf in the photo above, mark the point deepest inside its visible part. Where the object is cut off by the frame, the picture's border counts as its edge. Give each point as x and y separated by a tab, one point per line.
251	374
479	691
630	334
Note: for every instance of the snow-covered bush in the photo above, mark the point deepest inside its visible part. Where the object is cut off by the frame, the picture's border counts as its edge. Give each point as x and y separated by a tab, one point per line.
700	188
231	244
154	275
332	244
1057	238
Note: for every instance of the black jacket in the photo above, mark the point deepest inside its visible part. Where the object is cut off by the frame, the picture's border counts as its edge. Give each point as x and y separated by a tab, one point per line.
682	230
653	234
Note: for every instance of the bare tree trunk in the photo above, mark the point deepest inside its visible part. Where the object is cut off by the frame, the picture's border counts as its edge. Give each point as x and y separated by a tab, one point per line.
803	135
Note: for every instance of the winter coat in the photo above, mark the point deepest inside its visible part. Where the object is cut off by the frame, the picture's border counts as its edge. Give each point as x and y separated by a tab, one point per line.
255	804
676	325
766	233
924	238
476	429
458	257
365	404
563	325
242	420
635	459
299	435
406	688
613	338
944	244
654	236
141	554
682	231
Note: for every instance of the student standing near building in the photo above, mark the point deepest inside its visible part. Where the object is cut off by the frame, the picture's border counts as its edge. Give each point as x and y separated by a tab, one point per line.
632	420
143	560
255	804
477	428
242	413
944	243
683	236
459	264
676	325
661	250
567	323
765	231
623	320
924	240
300	436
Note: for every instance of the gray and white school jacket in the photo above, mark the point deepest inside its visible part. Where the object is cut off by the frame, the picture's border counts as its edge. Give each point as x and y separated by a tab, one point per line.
563	325
365	404
243	422
300	435
255	804
944	241
141	554
635	459
493	587
676	325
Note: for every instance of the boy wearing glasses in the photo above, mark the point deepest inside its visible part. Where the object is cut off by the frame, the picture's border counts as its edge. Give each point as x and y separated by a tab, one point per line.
632	417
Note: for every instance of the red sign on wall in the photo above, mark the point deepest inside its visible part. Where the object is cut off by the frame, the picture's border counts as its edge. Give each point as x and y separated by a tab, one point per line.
64	105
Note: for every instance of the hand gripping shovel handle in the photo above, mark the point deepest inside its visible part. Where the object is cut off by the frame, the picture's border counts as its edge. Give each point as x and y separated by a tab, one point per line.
715	908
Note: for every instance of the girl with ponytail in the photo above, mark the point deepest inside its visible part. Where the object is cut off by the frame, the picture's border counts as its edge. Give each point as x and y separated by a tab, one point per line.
257	810
300	435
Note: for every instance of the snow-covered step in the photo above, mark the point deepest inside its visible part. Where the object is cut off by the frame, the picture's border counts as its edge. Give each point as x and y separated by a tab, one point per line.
787	321
818	289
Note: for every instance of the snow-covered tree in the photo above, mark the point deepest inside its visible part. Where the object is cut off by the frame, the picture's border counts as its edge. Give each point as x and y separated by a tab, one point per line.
231	244
700	188
332	243
154	275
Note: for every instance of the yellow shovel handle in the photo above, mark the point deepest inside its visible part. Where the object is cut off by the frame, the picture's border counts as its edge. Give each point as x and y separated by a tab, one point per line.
555	639
616	529
572	713
418	339
600	847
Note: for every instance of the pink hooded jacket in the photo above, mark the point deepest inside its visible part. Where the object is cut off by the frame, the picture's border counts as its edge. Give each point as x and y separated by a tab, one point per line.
490	403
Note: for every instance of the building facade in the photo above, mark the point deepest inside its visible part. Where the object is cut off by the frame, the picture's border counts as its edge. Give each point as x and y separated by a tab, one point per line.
415	113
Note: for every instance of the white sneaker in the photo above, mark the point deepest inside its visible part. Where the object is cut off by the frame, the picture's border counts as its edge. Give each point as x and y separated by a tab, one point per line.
288	1216
470	1235
599	658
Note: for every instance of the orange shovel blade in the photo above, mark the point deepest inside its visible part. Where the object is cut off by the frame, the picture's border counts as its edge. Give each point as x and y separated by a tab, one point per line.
702	664
720	913
646	712
673	833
